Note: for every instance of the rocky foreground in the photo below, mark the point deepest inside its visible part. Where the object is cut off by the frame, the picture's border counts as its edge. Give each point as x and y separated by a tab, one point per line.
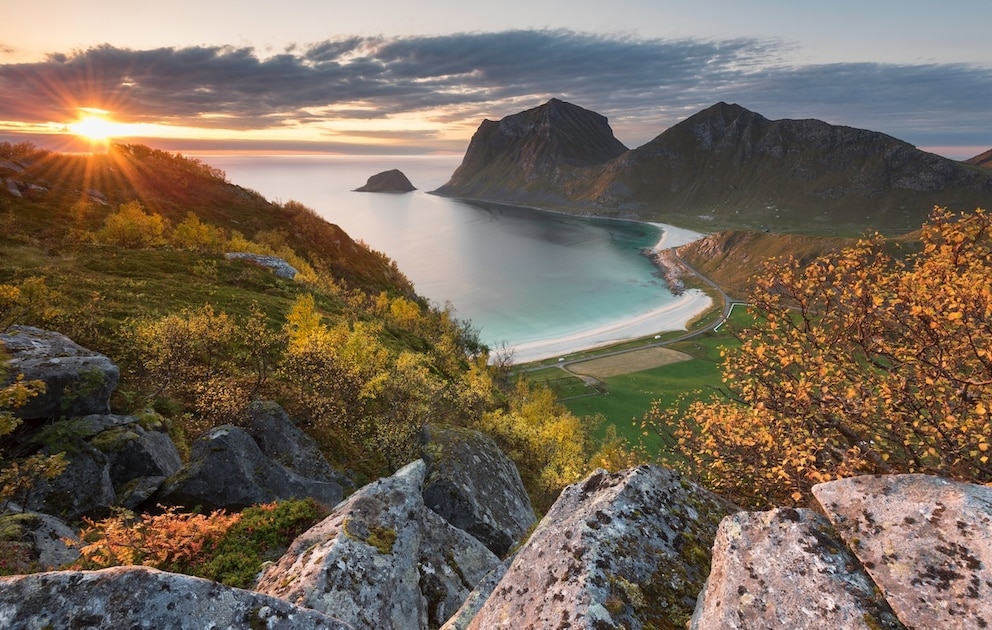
450	540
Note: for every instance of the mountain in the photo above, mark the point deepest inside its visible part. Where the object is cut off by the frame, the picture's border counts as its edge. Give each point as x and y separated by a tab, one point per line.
984	160
533	154
724	167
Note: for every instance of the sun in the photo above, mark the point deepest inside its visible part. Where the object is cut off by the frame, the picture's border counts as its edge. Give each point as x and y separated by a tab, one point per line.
94	125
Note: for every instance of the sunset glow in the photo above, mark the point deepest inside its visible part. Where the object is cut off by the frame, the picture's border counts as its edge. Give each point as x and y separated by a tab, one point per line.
93	125
195	76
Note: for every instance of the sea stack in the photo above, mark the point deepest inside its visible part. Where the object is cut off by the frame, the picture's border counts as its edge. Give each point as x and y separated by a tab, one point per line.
393	181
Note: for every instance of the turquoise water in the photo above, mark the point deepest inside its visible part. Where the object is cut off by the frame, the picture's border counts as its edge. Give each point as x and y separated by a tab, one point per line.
518	274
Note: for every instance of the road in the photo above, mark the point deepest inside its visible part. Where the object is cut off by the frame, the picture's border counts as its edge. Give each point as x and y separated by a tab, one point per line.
728	305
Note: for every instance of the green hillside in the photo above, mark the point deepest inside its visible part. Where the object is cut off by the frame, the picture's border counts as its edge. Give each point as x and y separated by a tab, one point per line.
124	253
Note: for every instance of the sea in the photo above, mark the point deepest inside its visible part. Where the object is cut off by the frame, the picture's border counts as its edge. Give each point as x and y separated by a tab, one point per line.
521	276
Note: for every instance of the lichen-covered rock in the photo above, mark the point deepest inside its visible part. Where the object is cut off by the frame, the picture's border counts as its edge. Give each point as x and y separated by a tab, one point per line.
281	440
42	538
925	541
279	267
226	469
477	598
475	487
140	597
786	568
78	381
622	550
381	560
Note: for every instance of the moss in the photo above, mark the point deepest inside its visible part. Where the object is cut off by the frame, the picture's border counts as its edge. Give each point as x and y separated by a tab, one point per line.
113	440
151	421
13	526
382	538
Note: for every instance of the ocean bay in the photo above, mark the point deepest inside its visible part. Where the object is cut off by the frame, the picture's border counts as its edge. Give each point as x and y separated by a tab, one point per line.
542	283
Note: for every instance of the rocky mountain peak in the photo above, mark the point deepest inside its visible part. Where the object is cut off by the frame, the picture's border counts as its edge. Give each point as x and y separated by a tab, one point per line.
531	149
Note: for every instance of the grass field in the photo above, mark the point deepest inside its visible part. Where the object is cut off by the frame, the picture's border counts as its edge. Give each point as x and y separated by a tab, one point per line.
624	398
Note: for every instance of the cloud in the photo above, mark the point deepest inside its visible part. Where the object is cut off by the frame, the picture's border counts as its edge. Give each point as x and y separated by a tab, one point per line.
642	85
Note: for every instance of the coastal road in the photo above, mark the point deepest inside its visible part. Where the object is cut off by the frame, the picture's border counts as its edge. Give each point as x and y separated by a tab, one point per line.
728	305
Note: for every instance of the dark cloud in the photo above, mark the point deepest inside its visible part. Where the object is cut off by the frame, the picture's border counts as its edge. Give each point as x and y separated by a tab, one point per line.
642	85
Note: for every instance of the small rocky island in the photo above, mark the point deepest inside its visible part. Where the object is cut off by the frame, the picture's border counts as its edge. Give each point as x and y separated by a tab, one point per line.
393	181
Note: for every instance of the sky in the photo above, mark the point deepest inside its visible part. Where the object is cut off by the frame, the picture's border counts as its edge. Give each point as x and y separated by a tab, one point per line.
402	77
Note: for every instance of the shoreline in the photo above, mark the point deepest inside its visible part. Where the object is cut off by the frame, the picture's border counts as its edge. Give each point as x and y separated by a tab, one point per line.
670	317
667	318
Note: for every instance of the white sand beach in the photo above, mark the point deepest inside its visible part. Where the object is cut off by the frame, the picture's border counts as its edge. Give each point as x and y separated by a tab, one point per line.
672	316
675	237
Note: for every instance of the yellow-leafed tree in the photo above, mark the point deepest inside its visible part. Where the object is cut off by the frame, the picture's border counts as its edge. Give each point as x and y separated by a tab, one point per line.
860	362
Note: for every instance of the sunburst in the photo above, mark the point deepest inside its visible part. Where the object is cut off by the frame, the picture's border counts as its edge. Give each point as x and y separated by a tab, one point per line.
94	125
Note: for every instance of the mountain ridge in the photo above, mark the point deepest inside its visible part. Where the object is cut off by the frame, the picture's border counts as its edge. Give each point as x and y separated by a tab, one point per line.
729	167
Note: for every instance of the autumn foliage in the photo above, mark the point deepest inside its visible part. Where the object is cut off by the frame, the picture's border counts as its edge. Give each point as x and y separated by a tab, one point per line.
229	548
861	362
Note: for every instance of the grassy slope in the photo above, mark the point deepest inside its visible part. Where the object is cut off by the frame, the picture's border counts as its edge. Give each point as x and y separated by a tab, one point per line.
100	286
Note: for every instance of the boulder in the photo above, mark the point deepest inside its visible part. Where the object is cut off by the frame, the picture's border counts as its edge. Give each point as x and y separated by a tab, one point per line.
281	440
393	181
475	487
475	600
786	568
140	597
227	470
136	452
78	381
279	267
140	458
40	538
925	541
621	550
83	489
382	559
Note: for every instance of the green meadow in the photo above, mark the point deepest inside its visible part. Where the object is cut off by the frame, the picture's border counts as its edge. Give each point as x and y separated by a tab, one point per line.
624	399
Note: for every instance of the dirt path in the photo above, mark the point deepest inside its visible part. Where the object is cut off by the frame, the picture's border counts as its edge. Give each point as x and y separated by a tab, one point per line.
633	361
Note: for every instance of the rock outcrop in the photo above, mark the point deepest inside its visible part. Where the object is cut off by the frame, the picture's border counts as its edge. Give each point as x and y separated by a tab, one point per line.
139	452
139	597
475	487
282	441
925	541
83	489
78	381
623	550
393	181
786	568
111	460
279	267
382	559
228	470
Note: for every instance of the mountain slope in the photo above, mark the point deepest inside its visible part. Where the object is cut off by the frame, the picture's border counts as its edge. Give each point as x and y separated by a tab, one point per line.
984	159
533	153
728	167
49	185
